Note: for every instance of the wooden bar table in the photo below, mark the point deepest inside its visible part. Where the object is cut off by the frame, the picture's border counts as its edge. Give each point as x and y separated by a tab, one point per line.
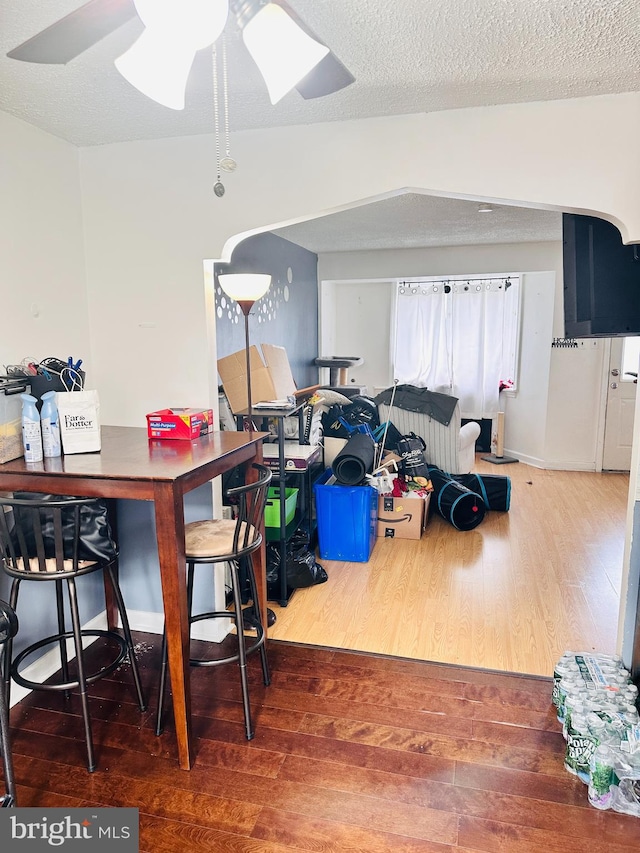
131	466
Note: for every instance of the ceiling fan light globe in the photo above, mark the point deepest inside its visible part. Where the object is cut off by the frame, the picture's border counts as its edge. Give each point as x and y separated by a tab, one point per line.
158	68
245	287
196	23
283	52
193	23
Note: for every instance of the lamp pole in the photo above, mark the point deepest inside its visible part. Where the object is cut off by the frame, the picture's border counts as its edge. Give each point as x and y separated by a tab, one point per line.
245	306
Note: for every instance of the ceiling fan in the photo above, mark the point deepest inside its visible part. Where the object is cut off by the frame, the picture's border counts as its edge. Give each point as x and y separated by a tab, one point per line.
200	22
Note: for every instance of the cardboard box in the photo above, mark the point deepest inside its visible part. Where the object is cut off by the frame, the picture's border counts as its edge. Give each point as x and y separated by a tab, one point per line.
297	457
185	424
271	377
402	518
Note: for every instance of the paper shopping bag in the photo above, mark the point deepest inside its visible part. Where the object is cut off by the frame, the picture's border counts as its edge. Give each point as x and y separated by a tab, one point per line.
79	421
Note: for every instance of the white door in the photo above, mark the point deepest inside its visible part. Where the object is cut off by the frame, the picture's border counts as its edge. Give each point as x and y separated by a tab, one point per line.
621	403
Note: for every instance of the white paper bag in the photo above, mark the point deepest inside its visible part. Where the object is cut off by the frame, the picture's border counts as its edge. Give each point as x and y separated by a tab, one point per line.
79	421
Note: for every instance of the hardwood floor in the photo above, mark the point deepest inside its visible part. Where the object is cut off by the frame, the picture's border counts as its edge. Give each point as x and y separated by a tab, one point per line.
353	753
511	595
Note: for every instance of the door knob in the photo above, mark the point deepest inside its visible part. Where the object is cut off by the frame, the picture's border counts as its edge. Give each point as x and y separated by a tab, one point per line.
614	385
615	372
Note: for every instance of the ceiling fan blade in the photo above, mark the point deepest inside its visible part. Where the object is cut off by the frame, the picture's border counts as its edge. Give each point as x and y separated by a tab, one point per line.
329	75
77	31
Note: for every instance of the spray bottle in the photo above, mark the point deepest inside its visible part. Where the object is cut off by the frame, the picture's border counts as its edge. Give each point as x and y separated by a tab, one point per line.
50	425
31	435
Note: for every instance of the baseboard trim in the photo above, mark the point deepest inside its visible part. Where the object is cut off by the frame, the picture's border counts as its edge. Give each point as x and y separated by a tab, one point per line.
552	465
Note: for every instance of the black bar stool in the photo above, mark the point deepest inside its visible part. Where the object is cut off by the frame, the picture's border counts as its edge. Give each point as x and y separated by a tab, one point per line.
230	541
45	538
8	629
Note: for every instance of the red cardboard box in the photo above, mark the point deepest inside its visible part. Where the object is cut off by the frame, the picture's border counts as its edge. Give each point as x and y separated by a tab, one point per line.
179	423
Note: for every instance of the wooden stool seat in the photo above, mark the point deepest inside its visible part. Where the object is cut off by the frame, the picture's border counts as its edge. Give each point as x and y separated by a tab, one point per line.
213	538
230	542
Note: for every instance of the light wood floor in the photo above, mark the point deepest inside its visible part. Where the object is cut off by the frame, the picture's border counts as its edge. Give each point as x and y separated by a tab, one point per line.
511	595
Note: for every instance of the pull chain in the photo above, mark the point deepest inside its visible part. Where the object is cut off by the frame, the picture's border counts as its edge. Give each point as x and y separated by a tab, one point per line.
218	187
227	163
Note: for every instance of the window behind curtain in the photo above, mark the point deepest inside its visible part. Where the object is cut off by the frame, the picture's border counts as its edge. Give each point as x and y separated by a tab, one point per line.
459	336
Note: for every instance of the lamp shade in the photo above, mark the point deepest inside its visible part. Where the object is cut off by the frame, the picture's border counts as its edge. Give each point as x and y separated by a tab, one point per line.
245	287
283	52
159	62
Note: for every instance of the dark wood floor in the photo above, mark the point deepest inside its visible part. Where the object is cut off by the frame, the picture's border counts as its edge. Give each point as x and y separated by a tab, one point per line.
353	753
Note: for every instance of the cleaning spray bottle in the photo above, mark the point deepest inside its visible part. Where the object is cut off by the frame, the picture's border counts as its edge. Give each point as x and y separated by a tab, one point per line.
50	425
31	435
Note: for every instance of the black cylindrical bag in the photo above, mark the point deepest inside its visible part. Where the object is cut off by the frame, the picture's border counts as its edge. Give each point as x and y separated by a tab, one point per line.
494	490
355	460
456	503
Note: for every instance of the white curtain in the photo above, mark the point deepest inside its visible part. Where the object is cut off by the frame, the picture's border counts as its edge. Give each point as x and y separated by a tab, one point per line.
451	338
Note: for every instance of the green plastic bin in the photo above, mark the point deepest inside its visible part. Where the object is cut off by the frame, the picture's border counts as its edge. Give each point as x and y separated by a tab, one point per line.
272	506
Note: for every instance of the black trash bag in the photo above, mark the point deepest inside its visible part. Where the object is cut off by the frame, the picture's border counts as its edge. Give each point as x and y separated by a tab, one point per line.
302	568
273	563
414	463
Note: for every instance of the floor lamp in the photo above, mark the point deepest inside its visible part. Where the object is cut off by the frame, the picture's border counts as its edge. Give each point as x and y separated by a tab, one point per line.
246	289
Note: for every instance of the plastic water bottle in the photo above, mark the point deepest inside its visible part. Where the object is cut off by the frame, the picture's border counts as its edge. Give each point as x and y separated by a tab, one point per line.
601	778
582	739
31	434
50	425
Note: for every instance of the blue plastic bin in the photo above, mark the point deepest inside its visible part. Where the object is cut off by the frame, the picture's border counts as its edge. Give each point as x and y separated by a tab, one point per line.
347	518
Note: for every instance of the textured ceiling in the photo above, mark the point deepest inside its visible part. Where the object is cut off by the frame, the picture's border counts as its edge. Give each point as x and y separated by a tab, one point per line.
409	57
412	221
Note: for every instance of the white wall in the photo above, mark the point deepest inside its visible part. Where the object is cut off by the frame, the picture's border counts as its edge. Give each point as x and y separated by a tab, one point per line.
41	273
547	421
42	268
361	326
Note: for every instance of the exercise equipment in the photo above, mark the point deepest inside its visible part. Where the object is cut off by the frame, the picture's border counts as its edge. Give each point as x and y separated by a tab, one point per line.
355	460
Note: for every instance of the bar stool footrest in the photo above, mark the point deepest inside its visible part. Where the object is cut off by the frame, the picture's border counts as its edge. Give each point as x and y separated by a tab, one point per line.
234	658
70	685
